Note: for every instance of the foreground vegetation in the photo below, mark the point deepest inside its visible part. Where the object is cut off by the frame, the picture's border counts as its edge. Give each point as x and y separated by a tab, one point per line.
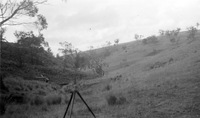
148	80
153	77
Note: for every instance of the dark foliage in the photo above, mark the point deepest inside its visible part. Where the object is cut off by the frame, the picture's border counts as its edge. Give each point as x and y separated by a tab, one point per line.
192	33
28	59
150	40
113	100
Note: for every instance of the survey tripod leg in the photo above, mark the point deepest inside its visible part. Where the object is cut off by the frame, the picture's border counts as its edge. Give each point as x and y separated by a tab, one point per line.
85	103
72	94
72	99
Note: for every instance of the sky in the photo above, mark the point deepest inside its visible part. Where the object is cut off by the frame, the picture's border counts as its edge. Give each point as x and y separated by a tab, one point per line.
86	23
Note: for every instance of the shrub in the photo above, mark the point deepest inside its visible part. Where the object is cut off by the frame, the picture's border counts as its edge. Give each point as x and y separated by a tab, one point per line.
19	99
14	110
172	40
53	99
99	70
151	39
44	108
111	100
41	92
107	88
192	32
30	87
144	41
38	100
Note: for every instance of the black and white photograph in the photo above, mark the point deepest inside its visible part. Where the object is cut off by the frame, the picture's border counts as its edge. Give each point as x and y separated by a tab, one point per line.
99	59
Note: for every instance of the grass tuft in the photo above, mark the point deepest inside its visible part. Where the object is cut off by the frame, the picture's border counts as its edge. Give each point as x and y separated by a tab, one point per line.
113	100
38	100
53	99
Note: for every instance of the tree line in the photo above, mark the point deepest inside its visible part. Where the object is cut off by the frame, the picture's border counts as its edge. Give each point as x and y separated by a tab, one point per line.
31	54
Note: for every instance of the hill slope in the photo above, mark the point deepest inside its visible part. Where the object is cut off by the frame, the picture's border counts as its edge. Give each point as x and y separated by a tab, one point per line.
156	80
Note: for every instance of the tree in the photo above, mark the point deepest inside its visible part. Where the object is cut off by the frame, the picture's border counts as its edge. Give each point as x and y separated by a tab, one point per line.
28	39
150	40
72	58
49	51
108	43
67	51
173	35
197	25
2	31
168	33
13	12
161	32
138	37
91	47
30	48
192	32
177	31
95	62
116	41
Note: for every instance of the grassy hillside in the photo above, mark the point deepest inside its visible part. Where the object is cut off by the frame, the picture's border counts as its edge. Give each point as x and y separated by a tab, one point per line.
155	80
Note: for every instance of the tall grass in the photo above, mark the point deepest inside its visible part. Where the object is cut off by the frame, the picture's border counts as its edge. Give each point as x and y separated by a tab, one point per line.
114	100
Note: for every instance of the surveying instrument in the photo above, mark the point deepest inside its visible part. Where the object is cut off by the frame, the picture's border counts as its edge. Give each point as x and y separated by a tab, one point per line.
72	98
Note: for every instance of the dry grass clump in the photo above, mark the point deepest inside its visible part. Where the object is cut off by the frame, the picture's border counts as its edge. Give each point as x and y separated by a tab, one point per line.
113	100
53	99
16	111
107	88
38	100
65	99
44	108
37	95
17	84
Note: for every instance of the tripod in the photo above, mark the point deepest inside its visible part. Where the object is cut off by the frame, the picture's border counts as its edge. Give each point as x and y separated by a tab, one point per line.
72	98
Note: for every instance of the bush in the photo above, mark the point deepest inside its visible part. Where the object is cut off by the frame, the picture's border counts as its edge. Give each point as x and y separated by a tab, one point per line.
41	92
113	100
144	41
53	99
107	88
172	40
151	39
18	99
38	100
192	32
44	108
